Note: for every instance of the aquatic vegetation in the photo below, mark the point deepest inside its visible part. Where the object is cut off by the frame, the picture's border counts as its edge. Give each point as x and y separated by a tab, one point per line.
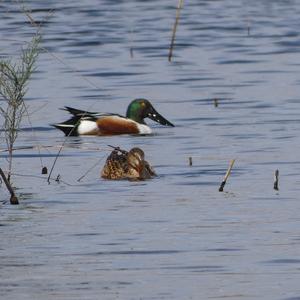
14	78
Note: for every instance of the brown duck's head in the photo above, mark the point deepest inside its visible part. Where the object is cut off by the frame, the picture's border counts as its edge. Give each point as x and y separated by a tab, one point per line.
135	158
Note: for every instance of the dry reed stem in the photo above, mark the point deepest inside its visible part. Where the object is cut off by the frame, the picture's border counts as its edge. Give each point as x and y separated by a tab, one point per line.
180	4
221	188
13	198
276	180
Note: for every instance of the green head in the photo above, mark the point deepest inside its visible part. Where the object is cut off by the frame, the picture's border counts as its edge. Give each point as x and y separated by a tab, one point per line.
139	109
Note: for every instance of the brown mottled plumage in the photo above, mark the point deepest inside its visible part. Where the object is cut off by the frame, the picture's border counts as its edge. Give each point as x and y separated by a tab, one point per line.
127	165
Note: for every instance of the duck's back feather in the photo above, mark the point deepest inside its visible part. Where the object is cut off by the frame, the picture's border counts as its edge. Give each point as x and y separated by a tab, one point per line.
115	124
83	113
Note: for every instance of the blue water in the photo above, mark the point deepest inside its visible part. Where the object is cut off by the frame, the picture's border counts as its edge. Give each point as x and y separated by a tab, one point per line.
176	236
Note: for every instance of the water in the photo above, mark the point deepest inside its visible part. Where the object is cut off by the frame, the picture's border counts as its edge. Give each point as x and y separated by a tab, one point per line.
174	237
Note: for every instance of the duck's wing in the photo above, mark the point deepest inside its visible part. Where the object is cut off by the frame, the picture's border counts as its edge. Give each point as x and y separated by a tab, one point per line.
116	166
83	113
78	112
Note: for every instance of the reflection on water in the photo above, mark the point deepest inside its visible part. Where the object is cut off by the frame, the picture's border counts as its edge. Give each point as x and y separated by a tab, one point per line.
176	236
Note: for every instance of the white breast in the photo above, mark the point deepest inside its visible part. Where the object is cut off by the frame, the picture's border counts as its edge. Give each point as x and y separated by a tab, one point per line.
87	127
144	129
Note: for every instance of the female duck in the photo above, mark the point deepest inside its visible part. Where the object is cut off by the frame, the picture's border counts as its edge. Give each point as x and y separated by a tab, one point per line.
127	165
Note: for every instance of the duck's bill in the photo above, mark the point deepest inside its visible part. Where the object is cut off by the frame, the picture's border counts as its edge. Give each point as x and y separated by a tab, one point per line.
155	116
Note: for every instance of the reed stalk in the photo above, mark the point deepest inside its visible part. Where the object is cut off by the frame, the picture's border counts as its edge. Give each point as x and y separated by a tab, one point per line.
13	198
276	180
14	78
221	188
180	4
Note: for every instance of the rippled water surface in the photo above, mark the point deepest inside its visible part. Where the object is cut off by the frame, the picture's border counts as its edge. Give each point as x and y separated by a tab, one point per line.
176	236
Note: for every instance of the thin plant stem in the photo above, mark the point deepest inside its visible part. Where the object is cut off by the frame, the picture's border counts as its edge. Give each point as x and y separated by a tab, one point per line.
180	4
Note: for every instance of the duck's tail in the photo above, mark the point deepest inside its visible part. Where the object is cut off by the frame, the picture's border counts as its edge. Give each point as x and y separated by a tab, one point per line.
69	127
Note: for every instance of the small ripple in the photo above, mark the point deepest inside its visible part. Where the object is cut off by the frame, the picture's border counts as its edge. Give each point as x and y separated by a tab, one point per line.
35	155
224	249
21	265
115	74
86	234
85	43
132	252
282	261
198	269
36	128
239	61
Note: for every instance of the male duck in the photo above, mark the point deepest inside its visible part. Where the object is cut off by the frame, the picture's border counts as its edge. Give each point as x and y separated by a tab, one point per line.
127	165
93	123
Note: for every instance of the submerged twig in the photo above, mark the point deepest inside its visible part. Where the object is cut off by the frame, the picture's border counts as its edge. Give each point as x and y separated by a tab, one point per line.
180	3
221	188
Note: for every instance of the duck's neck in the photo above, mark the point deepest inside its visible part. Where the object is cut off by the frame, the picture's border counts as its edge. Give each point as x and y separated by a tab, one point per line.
134	115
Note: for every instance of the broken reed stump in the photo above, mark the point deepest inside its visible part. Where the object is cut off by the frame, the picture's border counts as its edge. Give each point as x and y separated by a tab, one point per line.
180	3
221	188
44	170
216	102
276	180
13	198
